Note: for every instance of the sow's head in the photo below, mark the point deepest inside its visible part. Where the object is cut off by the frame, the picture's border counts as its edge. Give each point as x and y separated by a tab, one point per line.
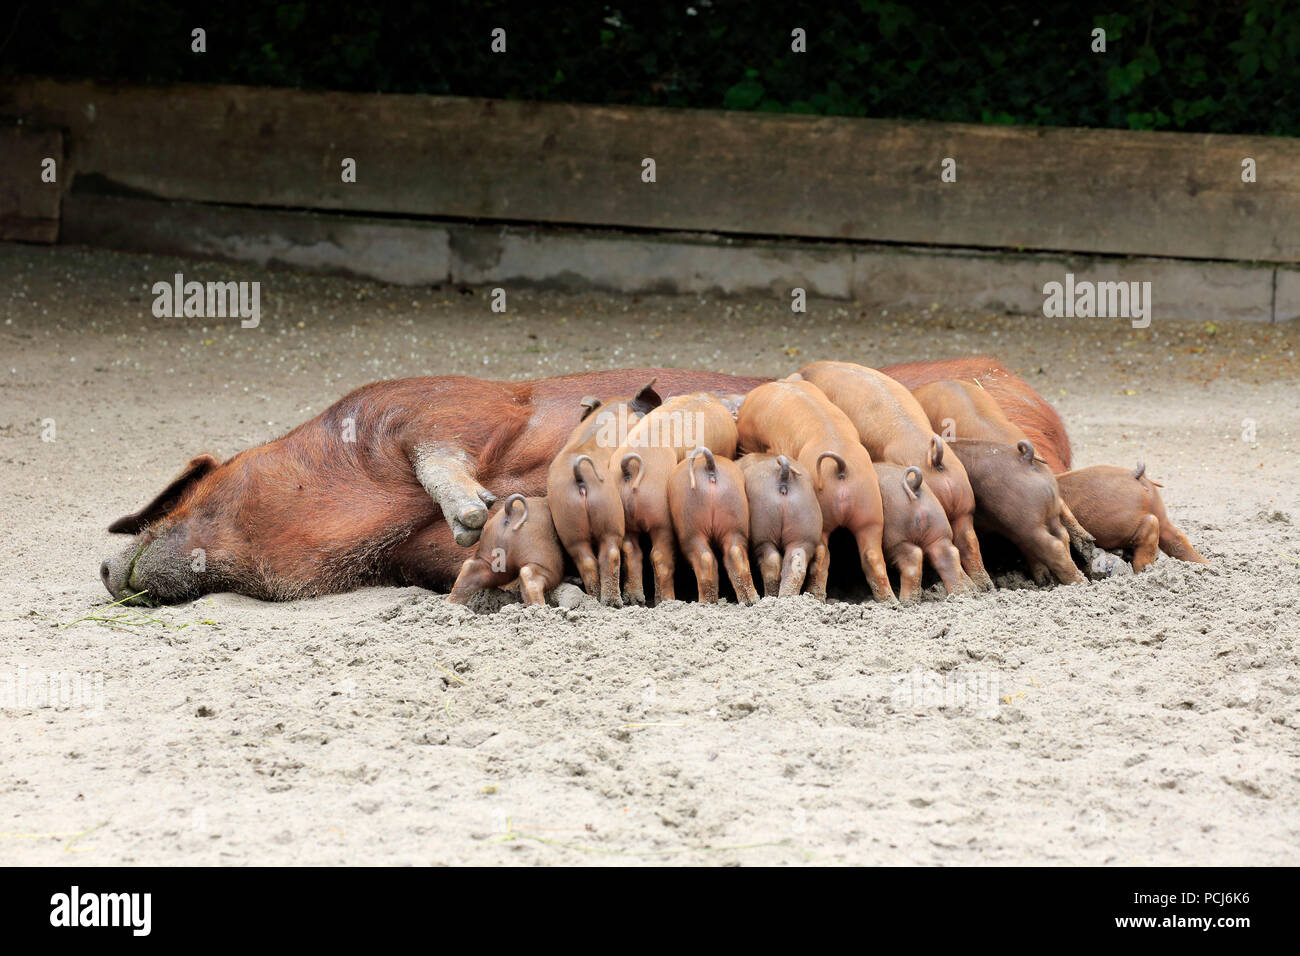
166	560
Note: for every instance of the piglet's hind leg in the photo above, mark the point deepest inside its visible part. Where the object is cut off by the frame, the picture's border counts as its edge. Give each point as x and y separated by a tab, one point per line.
736	557
532	585
634	586
910	561
1176	544
820	570
663	556
968	546
945	559
705	565
769	567
1081	542
873	563
475	575
793	571
1145	542
585	558
610	567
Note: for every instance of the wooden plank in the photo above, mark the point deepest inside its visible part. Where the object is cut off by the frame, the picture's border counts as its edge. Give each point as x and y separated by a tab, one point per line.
29	207
1099	191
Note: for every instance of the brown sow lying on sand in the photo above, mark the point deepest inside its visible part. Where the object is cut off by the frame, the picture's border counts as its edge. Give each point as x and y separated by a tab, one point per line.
516	543
785	522
712	511
309	513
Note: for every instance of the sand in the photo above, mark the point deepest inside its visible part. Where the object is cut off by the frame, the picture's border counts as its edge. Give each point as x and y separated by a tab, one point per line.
1139	720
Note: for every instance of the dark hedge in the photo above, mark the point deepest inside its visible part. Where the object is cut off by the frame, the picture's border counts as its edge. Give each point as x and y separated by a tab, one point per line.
1231	66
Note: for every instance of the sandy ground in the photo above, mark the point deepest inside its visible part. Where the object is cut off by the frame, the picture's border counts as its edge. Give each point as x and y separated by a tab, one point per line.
1147	720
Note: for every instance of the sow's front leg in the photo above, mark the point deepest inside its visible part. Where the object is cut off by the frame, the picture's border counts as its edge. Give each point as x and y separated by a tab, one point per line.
447	474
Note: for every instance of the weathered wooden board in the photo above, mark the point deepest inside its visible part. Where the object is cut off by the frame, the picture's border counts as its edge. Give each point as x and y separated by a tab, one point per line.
1101	191
29	207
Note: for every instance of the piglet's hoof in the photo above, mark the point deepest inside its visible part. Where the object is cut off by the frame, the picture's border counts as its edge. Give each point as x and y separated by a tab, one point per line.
568	597
1106	565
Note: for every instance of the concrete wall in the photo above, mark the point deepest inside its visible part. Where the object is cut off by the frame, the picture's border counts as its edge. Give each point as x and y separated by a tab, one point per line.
415	252
29	205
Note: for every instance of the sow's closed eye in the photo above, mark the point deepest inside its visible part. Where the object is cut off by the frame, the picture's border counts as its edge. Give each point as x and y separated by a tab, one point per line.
166	500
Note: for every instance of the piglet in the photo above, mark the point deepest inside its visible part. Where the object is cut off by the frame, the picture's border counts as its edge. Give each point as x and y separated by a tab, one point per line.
524	547
893	427
585	500
916	528
796	419
785	522
710	512
1017	497
642	465
965	409
1122	509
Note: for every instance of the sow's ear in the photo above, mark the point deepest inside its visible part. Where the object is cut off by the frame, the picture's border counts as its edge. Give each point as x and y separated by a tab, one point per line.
646	400
166	501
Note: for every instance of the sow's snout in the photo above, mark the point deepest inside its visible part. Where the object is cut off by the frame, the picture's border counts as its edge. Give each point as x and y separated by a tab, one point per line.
151	570
114	572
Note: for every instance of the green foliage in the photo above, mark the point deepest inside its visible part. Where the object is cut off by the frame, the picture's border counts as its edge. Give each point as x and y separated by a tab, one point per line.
1230	66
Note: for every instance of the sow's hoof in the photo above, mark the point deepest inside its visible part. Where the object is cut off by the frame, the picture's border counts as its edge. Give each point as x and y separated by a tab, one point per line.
1106	565
463	534
468	515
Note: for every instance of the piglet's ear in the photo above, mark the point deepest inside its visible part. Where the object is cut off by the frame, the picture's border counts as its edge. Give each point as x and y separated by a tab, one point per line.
647	399
167	499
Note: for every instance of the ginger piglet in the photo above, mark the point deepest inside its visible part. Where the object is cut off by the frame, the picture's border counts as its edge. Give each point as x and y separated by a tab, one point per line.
893	427
785	522
585	503
1017	497
1122	509
917	529
965	409
642	465
526	548
708	513
796	419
